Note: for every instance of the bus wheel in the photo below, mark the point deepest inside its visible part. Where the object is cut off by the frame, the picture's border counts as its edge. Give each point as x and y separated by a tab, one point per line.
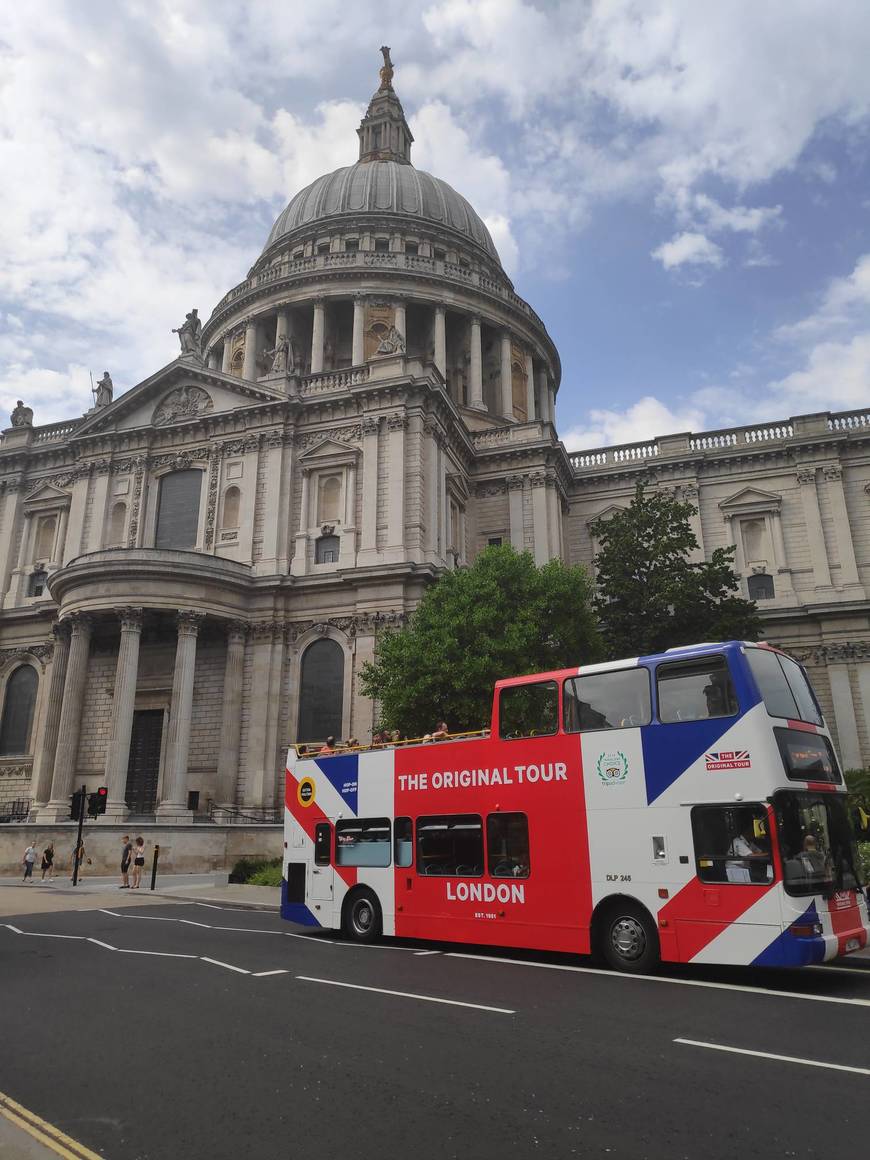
362	917
629	940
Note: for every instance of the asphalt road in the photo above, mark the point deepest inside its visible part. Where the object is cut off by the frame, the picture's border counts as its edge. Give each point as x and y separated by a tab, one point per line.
232	1037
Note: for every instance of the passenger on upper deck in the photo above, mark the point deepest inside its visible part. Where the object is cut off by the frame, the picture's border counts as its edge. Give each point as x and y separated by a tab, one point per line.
328	747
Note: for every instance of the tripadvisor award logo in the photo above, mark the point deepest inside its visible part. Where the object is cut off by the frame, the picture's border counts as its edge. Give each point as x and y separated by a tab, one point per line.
613	768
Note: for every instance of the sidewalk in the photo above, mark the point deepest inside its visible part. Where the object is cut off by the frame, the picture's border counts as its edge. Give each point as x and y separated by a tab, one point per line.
234	894
95	893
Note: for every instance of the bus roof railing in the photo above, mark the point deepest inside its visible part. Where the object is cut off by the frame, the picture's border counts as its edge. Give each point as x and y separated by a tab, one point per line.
312	748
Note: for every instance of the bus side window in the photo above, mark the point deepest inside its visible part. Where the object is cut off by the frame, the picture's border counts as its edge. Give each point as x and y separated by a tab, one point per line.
732	844
403	842
695	690
528	710
362	842
322	844
450	845
507	845
616	700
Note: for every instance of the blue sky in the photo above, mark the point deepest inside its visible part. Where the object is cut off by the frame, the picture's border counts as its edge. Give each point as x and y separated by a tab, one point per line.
679	189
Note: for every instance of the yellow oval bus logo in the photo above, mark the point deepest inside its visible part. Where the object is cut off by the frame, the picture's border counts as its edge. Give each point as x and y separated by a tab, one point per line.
305	791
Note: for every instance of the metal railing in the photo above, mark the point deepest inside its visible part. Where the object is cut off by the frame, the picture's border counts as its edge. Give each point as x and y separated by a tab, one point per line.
15	811
245	815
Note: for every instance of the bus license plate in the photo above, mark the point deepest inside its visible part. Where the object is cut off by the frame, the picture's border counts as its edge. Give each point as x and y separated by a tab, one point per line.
852	944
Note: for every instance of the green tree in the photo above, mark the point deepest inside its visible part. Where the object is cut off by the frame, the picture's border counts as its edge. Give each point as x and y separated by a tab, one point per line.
501	617
651	596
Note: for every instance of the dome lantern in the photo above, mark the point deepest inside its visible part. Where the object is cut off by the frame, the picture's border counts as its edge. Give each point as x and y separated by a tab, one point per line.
383	133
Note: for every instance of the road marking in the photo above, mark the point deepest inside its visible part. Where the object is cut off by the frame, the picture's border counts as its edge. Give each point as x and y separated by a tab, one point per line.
190	922
406	995
665	979
779	1058
229	966
158	954
427	952
265	974
39	934
245	929
46	1134
108	946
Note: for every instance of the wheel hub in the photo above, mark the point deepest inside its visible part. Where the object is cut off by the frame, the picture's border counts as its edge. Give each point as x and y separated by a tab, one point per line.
628	938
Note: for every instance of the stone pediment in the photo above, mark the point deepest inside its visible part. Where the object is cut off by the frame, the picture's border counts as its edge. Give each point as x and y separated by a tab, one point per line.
327	453
47	495
605	514
749	500
179	393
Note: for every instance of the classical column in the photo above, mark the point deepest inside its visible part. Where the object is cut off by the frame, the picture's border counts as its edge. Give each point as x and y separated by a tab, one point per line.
51	729
507	395
538	482
369	530
845	545
123	703
530	388
806	477
544	397
441	341
844	716
11	506
231	715
214	357
864	691
358	345
515	510
551	400
249	367
317	332
396	425
476	367
70	723
299	563
226	357
399	321
174	803
282	328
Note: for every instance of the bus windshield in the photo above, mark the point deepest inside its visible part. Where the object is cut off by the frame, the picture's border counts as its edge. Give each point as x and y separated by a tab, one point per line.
783	686
819	854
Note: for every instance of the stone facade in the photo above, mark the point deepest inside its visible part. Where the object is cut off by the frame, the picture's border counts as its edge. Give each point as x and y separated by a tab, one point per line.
372	406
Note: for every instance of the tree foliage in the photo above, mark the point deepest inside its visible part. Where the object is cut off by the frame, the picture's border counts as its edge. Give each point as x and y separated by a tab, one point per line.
501	617
651	595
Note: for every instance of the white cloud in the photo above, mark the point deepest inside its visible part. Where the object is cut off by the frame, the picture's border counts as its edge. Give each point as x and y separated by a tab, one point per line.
639	423
689	249
844	304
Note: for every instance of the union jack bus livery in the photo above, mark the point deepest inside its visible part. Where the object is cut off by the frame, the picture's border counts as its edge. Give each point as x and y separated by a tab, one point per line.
686	807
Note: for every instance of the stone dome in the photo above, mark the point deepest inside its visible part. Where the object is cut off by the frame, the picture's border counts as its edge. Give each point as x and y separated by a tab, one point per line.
384	187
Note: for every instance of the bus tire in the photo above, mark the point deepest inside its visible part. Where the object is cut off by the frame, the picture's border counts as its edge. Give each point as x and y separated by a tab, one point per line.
627	938
361	918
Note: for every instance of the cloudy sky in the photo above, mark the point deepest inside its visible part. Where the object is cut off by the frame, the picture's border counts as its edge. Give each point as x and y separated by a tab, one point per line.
680	189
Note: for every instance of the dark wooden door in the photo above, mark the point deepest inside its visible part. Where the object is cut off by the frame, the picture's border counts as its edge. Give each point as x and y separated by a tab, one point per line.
143	768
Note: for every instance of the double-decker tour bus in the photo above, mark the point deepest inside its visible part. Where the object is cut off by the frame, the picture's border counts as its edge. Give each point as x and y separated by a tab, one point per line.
686	807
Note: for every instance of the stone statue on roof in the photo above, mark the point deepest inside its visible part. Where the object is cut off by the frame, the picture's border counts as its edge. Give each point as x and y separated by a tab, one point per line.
386	72
103	391
281	355
190	335
22	416
393	342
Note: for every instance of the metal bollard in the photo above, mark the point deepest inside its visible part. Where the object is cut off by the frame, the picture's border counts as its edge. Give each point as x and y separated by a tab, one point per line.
154	866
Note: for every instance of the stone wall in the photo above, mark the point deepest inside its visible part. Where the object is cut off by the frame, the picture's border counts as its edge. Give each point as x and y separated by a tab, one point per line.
194	849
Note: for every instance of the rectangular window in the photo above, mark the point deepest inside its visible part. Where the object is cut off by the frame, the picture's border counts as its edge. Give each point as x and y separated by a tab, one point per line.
382	245
362	842
807	756
403	842
507	845
322	844
784	689
440	255
178	509
695	690
614	700
412	248
732	844
494	542
323	247
351	245
528	710
451	845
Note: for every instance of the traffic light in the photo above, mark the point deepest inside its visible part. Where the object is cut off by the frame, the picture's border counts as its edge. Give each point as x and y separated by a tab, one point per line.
97	802
76	805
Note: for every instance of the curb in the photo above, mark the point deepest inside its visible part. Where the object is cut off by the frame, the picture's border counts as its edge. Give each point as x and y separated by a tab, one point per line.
228	903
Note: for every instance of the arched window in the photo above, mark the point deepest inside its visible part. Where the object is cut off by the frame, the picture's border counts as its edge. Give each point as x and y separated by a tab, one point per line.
18	711
118	525
326	550
178	509
45	538
232	501
329	499
761	586
237	362
321	691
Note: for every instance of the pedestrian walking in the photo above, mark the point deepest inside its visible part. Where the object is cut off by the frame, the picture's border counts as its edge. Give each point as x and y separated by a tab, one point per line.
30	856
48	862
138	862
78	856
126	859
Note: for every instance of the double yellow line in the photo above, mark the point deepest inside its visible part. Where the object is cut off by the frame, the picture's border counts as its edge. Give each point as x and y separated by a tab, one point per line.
46	1134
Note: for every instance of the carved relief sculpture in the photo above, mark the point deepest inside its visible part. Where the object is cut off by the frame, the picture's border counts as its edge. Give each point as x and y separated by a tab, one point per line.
393	342
182	403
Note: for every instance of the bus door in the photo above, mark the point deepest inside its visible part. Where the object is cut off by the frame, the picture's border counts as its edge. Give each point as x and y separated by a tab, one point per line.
321	876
